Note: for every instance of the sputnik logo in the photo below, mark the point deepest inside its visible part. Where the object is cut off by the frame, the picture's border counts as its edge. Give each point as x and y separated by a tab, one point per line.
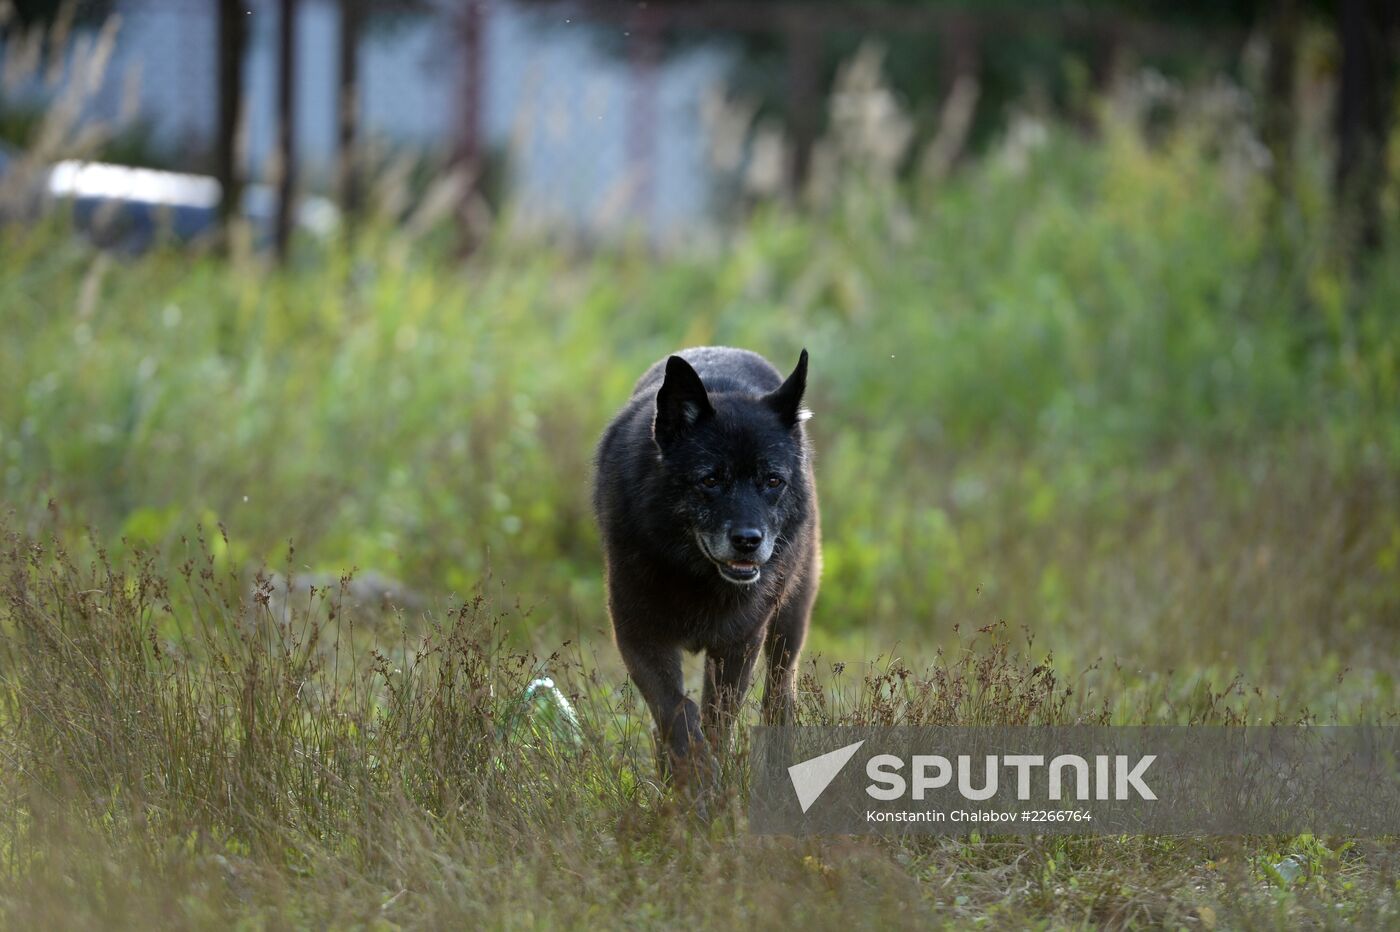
811	777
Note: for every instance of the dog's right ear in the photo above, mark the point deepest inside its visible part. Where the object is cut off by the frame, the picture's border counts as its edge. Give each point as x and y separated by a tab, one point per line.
786	399
681	402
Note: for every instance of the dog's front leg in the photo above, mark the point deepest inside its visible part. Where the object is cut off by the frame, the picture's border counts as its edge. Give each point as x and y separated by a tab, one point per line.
657	672
728	674
786	631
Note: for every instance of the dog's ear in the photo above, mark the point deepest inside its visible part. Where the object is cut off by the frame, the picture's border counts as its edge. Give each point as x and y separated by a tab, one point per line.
787	399
681	402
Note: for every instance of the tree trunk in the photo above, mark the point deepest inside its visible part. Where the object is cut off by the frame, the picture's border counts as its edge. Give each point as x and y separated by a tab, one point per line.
233	42
1365	100
286	113
347	181
804	97
645	54
471	148
1279	98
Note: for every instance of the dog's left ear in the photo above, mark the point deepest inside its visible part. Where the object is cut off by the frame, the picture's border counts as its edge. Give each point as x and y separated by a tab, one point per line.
787	399
681	402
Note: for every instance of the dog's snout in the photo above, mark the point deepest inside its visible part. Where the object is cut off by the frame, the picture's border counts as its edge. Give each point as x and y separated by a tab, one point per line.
746	539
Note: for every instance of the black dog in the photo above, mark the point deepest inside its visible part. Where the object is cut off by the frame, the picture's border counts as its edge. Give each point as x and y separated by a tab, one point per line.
708	510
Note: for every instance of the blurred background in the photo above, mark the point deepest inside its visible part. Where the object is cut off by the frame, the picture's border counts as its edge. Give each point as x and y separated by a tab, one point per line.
1101	297
666	116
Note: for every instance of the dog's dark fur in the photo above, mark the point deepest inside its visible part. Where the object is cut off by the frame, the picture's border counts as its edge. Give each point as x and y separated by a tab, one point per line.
708	510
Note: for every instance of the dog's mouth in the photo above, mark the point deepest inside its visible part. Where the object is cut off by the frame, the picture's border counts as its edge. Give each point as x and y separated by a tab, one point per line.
743	572
740	571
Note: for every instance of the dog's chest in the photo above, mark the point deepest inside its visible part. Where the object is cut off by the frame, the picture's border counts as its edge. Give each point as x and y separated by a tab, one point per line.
720	621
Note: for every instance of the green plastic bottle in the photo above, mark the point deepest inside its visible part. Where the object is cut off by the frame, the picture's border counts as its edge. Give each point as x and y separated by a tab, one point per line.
546	715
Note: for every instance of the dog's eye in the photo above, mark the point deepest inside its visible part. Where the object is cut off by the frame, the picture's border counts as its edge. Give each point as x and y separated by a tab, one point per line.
774	482
709	482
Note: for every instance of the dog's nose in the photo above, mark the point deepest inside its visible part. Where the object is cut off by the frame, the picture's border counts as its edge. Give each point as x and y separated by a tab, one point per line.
746	539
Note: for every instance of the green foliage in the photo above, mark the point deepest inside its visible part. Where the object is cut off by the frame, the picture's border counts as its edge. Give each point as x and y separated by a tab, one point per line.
1040	388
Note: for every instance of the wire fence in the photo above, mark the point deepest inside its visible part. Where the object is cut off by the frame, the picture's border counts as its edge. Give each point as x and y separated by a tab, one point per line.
592	113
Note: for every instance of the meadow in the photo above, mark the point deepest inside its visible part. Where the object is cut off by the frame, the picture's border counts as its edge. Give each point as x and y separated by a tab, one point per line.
1107	431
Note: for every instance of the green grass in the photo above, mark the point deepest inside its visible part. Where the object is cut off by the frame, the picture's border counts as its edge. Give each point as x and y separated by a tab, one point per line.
1122	407
309	765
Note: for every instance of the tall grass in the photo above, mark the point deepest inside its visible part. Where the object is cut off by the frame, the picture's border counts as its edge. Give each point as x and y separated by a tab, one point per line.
317	765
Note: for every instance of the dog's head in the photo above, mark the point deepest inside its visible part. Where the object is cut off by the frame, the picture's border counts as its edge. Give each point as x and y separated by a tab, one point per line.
736	464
